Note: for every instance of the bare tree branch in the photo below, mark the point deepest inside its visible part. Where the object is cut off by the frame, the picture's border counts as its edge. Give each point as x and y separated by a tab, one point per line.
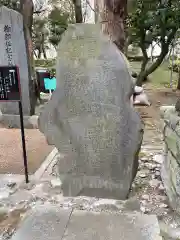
40	11
87	1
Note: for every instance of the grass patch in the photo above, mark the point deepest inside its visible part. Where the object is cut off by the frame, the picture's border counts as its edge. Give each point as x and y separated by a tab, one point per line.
159	78
45	63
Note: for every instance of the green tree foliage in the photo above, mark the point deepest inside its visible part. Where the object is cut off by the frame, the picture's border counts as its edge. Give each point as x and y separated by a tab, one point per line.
153	21
14	4
58	22
40	36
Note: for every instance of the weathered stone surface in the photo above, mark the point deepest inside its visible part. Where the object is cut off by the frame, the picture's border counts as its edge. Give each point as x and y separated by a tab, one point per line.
89	117
171	165
49	223
169	233
13	52
44	223
166	111
126	226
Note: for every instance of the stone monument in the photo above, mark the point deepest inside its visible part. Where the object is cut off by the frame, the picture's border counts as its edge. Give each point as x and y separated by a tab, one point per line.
13	52
90	119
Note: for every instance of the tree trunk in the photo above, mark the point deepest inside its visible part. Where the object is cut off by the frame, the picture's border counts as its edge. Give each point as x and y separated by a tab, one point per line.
34	52
142	74
127	43
44	52
96	8
145	72
112	16
26	9
39	53
78	11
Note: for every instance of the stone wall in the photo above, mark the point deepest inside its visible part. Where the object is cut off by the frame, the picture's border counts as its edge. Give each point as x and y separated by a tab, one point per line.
171	166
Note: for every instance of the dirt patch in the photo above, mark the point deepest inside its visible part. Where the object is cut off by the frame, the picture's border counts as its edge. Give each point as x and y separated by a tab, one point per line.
158	98
11	160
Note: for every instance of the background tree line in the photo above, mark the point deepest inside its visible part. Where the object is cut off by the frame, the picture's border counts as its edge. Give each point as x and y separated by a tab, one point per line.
137	22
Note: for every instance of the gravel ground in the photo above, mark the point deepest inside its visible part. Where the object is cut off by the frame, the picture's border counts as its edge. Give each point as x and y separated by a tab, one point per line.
147	188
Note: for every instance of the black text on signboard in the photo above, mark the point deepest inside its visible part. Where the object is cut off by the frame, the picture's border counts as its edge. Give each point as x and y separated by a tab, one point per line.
9	83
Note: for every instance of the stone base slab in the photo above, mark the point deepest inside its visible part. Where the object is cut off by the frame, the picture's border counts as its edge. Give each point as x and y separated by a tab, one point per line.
53	223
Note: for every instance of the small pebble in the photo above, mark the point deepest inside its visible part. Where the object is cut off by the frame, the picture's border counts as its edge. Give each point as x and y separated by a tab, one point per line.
157	174
158	165
143	202
161	198
161	187
150	166
144	159
145	197
158	159
11	184
143	209
142	175
153	176
147	210
163	205
56	183
154	183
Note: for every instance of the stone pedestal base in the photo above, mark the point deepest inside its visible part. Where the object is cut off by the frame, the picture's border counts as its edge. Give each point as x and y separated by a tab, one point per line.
93	187
76	182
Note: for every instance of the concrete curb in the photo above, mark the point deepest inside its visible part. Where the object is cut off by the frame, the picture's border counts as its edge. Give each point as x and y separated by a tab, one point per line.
39	173
13	121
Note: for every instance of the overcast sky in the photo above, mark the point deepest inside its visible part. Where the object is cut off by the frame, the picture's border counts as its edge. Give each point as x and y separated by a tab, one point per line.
39	2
